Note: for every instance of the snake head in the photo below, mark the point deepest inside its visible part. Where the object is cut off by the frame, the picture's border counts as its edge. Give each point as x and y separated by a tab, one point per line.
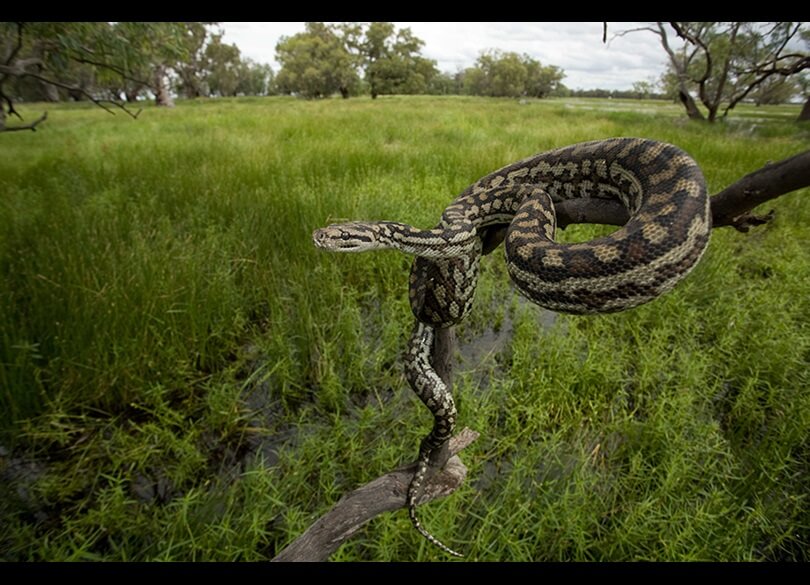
346	237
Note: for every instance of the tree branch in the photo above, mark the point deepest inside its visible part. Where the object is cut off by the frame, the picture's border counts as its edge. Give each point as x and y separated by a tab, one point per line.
20	72
384	494
788	36
697	42
681	71
389	492
10	105
801	63
734	100
718	94
732	205
622	33
113	68
32	126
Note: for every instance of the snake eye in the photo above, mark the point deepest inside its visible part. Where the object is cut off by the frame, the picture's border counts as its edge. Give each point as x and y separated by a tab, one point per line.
344	236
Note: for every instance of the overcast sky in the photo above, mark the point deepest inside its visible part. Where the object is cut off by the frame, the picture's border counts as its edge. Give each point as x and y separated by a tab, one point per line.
575	46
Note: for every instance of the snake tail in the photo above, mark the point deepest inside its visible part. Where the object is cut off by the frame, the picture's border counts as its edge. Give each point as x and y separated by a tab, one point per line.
431	389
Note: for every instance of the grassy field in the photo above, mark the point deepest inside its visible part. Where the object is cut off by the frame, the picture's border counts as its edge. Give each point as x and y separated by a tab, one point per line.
183	376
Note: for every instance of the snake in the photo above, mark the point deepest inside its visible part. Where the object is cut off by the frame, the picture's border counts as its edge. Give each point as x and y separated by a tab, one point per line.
661	187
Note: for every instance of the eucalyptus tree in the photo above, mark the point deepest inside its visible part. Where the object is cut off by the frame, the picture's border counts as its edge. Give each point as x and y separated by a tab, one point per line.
96	61
727	62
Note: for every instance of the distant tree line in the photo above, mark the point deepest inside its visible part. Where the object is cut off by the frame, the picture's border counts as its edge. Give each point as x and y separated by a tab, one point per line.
377	59
118	64
636	93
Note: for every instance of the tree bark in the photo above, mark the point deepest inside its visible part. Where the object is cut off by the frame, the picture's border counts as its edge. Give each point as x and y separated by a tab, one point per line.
732	205
688	102
804	115
50	93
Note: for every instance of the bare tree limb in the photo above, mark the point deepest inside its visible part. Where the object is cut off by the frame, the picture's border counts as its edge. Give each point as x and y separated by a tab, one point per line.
773	64
33	67
622	33
384	494
697	42
32	126
732	205
10	105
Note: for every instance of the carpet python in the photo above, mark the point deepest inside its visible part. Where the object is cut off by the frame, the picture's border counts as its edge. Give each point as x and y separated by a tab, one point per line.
663	190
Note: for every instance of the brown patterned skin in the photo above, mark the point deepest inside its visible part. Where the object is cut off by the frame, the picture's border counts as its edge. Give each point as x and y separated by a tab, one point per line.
662	188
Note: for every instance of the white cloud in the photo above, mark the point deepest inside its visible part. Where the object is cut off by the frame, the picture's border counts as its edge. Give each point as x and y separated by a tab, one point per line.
575	46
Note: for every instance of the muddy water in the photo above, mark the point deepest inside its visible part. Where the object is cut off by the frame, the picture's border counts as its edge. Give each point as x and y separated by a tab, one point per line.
477	352
483	352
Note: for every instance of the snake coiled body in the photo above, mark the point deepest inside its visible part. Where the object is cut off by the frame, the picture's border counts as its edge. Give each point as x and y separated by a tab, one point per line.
662	188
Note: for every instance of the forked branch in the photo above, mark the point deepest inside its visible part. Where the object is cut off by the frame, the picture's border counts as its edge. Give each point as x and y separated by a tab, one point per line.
32	126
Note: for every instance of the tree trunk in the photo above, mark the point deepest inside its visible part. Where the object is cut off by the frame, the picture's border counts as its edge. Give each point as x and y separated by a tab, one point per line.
680	70
344	93
77	95
50	93
192	90
688	102
162	95
2	118
804	115
131	95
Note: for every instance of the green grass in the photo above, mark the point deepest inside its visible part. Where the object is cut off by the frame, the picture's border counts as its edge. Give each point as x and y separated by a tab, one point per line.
184	377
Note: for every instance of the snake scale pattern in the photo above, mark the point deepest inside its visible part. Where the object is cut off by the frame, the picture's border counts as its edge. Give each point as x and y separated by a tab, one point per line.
662	188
